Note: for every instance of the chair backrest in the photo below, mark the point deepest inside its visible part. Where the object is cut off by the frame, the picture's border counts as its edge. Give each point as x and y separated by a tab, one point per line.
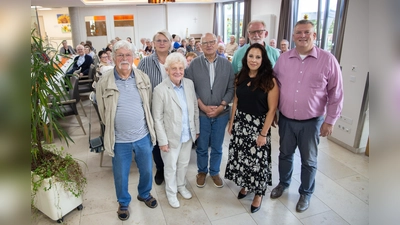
92	71
96	107
74	92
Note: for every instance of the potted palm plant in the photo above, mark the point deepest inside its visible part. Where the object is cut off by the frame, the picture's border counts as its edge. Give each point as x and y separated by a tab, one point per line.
57	182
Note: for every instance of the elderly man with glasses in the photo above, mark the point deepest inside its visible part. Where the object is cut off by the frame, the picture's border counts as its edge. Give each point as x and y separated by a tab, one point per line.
213	81
257	31
124	96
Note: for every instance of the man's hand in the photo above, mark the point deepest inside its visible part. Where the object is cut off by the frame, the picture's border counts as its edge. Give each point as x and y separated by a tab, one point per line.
214	111
326	129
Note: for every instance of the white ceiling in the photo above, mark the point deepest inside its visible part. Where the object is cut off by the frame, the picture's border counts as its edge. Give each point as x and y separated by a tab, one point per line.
87	3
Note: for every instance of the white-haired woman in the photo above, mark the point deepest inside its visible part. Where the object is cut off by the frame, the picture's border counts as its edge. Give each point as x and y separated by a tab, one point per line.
176	121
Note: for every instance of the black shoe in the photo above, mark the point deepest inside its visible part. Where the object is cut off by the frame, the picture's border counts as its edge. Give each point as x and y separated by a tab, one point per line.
159	177
254	209
240	195
277	191
303	203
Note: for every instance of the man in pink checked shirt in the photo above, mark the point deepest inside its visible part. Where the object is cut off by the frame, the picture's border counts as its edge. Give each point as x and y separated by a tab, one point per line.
310	102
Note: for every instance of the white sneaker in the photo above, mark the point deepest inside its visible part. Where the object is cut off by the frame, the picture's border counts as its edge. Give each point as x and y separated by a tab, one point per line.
173	201
185	192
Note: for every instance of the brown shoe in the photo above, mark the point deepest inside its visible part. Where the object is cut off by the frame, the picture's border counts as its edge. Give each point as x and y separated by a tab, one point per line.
217	181
201	180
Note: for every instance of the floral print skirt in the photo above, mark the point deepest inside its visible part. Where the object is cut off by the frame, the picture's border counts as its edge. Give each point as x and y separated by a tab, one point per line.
249	166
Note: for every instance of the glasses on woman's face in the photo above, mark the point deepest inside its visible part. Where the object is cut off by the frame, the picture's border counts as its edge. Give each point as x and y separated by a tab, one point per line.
104	57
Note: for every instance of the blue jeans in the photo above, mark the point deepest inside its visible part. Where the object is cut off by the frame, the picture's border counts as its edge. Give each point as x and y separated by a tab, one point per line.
305	135
122	164
212	131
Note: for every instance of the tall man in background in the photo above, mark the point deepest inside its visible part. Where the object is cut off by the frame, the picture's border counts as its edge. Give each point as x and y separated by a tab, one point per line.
257	31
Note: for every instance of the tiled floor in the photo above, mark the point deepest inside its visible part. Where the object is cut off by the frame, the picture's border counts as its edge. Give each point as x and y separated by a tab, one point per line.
341	194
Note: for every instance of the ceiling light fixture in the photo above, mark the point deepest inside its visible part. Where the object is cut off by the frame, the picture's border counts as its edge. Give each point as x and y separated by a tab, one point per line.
160	1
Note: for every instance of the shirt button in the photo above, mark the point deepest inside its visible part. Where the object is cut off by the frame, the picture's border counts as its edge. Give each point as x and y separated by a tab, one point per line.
295	100
297	90
295	110
302	62
301	71
298	82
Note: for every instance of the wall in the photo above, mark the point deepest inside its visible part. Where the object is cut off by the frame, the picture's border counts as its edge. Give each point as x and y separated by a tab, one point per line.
267	10
197	18
51	26
148	19
354	53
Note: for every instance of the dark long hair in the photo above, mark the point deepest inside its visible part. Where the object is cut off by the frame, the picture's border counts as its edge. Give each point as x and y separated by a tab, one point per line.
265	73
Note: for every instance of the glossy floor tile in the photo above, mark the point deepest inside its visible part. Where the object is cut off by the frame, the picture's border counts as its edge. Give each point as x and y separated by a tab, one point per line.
341	195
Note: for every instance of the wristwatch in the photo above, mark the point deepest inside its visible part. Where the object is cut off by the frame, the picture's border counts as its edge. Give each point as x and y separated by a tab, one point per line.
225	106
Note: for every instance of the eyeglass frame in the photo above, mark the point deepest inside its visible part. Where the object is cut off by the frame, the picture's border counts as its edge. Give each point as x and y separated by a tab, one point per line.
124	55
259	32
159	41
209	42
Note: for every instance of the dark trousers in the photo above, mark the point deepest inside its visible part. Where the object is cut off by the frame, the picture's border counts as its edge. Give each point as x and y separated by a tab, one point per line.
303	134
157	157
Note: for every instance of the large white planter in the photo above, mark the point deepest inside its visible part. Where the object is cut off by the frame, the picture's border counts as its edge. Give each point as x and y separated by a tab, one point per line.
52	200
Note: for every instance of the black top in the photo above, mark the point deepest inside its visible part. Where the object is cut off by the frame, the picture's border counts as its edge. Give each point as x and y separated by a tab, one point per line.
251	102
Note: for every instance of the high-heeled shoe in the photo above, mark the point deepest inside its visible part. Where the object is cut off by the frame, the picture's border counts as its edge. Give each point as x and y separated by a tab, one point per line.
240	195
254	209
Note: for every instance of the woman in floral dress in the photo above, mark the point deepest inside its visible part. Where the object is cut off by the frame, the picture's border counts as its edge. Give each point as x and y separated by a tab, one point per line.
253	111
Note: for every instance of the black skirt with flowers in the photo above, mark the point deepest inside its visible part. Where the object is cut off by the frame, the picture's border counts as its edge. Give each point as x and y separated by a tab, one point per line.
249	166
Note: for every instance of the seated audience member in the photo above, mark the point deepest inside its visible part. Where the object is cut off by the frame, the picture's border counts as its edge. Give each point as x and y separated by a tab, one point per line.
143	42
242	42
83	43
219	39
133	45
109	46
110	58
91	46
88	51
117	39
149	48
221	50
66	49
198	49
181	50
81	62
272	43
284	46
191	47
177	42
232	46
189	57
104	64
183	44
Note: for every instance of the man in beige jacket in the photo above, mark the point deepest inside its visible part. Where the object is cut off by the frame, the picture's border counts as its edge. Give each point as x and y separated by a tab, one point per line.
124	98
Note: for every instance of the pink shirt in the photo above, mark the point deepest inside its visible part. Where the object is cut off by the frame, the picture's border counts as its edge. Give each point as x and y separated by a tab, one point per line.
311	87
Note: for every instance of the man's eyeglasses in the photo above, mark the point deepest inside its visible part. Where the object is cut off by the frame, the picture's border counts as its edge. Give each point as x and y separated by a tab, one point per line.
208	42
253	32
126	55
162	41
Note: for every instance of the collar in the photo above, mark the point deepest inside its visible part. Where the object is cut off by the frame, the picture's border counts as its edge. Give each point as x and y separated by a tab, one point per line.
117	77
293	53
215	60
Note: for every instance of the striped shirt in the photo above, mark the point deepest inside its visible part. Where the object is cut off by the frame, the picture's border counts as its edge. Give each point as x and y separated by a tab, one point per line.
150	66
130	122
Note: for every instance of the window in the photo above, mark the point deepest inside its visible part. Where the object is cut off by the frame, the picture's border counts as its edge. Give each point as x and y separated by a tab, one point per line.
326	16
96	26
232	20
